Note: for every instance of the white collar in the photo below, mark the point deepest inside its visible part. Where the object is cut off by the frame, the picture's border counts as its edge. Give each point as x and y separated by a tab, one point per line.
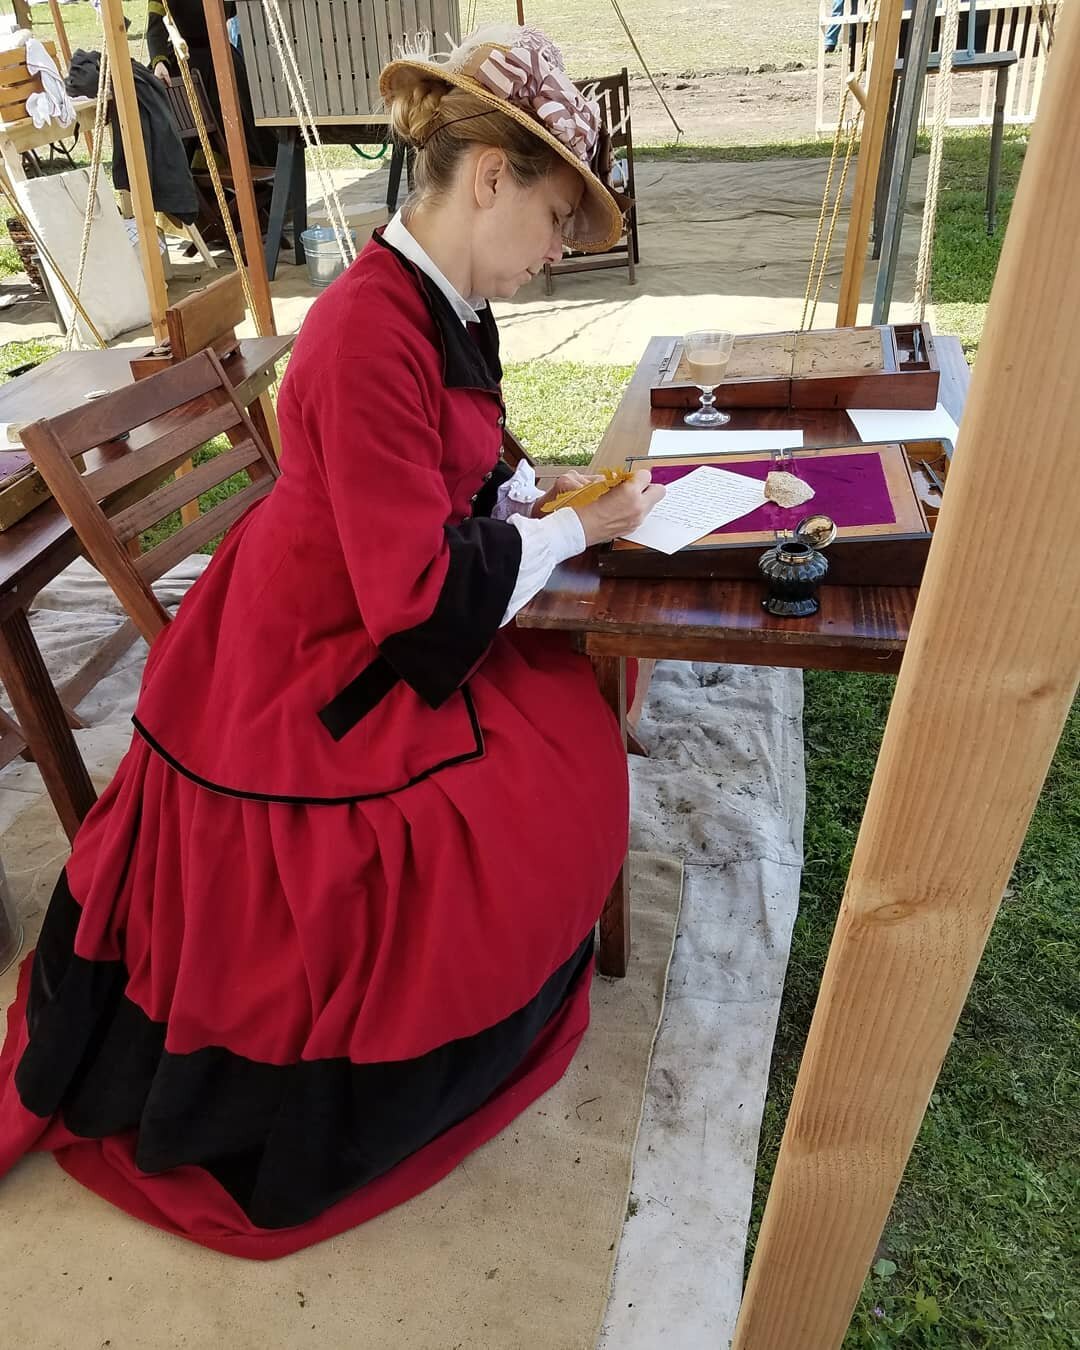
397	236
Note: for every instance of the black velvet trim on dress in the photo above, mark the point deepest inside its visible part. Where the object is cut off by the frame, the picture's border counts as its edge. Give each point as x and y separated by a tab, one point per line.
470	355
437	656
285	1141
484	501
359	697
476	751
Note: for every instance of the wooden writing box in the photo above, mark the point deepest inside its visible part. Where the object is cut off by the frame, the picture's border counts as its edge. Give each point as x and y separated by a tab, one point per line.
887	366
883	501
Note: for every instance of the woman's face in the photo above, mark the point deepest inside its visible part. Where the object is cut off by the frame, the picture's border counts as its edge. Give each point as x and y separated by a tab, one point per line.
518	229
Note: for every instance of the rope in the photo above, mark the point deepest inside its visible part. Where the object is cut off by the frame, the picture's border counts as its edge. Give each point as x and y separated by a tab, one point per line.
937	146
92	184
180	47
633	43
812	295
298	96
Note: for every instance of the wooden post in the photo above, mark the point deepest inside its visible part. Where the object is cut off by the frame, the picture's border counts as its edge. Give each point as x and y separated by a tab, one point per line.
989	674
239	164
886	38
521	11
23	18
127	107
61	33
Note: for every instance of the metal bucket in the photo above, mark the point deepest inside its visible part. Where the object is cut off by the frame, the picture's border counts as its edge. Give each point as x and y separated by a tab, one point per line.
322	253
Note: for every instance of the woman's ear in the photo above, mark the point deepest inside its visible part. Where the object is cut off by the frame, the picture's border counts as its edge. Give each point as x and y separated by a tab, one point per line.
488	176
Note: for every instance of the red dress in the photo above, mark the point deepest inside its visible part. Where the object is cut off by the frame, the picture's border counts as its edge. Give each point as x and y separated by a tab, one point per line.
330	927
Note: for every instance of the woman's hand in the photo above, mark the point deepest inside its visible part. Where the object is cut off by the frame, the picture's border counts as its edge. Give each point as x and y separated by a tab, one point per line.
161	69
621	509
566	482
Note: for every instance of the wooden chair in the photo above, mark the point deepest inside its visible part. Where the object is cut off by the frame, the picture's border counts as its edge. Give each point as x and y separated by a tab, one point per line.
262	177
613	95
109	466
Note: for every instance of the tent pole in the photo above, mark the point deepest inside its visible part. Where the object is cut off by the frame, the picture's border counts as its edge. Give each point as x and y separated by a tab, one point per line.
239	164
986	684
127	107
912	85
886	39
61	33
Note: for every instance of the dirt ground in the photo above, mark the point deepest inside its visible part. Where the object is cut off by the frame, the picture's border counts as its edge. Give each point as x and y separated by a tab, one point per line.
733	108
743	106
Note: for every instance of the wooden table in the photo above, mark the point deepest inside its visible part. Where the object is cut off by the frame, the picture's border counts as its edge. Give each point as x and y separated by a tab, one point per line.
38	548
614	618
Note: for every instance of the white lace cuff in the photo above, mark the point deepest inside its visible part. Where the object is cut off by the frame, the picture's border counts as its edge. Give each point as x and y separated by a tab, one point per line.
517	495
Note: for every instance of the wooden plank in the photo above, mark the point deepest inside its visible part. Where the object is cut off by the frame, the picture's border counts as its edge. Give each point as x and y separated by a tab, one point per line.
201	318
381	20
995	652
191	537
395	26
874	127
61	35
314	73
335	46
43	722
156	505
360	23
127	107
239	164
160	454
613	951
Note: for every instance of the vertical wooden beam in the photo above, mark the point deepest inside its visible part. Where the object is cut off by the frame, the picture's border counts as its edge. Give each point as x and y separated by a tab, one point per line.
520	11
875	123
239	164
613	950
127	107
23	18
990	672
61	33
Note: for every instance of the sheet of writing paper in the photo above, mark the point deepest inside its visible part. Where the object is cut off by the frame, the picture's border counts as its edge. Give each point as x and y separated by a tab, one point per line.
672	441
696	505
903	424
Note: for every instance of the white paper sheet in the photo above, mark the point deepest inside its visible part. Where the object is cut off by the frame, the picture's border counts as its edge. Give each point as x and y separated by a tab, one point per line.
673	441
696	505
903	424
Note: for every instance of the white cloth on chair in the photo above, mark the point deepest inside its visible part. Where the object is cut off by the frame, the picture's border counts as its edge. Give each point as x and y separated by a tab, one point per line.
53	103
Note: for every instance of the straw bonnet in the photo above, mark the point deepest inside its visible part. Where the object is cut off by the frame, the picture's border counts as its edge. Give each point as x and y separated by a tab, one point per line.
520	73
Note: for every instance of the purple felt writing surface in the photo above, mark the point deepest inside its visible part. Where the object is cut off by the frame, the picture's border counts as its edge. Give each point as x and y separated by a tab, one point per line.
849	488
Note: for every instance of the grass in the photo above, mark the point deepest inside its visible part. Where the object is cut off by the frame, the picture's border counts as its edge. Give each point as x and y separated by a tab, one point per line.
981	1237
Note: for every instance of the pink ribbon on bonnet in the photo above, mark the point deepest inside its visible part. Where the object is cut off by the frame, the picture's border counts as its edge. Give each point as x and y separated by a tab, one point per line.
531	75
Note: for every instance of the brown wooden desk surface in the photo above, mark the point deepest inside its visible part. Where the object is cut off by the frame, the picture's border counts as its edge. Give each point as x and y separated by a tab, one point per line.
857	628
40	546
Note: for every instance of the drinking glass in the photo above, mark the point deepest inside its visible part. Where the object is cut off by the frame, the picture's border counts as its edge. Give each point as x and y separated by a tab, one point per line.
707	353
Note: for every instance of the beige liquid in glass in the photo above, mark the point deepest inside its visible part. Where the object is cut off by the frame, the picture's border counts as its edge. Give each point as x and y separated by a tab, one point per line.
706	366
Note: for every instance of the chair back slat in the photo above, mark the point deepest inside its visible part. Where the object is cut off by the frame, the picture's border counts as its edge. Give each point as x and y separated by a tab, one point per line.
133	520
190	538
149	437
163	452
102	420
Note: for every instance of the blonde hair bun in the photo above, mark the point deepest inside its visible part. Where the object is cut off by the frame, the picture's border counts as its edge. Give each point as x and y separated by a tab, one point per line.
414	109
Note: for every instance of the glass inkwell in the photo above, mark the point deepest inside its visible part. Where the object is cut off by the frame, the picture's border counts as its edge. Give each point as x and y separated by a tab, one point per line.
795	566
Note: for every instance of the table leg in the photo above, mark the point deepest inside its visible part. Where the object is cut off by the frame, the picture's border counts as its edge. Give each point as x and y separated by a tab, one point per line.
1001	91
280	198
43	722
613	956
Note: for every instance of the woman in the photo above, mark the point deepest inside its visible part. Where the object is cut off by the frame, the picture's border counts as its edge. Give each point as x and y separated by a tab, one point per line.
330	927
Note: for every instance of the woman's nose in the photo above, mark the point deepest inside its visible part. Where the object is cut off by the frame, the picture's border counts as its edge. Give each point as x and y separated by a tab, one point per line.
555	248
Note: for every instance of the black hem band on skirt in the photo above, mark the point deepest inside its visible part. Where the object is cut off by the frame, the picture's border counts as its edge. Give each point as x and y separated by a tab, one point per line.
285	1141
